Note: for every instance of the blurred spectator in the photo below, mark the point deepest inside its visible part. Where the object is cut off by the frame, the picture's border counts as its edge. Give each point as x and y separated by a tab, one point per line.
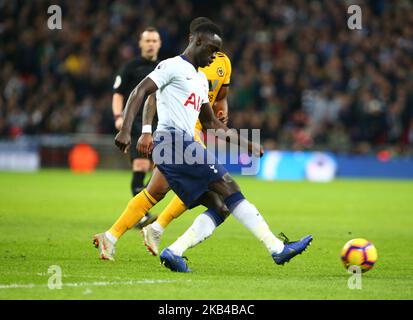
299	73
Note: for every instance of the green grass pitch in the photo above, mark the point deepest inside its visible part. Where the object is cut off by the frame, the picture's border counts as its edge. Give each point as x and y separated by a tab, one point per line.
48	218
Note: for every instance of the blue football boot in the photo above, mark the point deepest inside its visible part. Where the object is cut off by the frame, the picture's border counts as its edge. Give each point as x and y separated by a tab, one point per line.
173	262
291	249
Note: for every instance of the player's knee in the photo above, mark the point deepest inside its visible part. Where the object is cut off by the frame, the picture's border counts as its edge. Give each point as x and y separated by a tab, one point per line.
223	212
141	165
234	187
231	184
220	208
216	207
218	214
157	186
226	186
157	193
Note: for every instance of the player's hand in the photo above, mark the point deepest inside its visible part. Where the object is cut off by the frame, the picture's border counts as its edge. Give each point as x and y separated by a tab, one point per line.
119	123
122	141
145	144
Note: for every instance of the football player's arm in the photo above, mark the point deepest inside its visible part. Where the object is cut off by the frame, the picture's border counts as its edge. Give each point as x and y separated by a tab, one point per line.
221	103
146	87
220	106
209	121
149	110
145	142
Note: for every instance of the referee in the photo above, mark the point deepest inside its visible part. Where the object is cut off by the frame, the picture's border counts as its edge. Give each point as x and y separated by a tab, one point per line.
126	80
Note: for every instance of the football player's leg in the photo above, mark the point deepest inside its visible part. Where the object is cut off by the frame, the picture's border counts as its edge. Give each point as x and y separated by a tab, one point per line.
137	207
172	211
176	207
249	216
140	167
152	233
246	213
204	225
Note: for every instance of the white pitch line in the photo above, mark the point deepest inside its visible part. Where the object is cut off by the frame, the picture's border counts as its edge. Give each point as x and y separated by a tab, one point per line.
43	274
90	284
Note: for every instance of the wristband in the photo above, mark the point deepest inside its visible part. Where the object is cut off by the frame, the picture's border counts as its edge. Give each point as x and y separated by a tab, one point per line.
147	128
117	116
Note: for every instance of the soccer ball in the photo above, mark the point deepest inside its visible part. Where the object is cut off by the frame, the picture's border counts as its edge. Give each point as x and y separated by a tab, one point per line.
359	252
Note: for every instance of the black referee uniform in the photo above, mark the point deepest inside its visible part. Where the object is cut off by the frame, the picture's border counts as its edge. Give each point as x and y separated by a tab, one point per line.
126	80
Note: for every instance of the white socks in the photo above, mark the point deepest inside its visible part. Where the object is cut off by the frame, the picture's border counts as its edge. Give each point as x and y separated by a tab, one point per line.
111	237
248	215
244	212
157	227
201	229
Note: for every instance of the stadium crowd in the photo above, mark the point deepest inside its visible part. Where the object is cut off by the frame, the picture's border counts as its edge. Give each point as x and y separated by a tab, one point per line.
299	73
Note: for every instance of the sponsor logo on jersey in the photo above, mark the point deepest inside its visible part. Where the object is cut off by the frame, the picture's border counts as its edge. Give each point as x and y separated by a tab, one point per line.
195	101
220	71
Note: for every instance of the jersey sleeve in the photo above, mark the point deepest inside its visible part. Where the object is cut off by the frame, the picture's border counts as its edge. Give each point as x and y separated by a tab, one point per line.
119	86
227	79
162	75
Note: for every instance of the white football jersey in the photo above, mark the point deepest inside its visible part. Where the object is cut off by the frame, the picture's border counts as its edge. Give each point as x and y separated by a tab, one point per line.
181	92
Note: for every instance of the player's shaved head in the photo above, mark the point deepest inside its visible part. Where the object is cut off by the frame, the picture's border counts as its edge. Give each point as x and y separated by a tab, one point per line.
204	41
198	22
204	25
